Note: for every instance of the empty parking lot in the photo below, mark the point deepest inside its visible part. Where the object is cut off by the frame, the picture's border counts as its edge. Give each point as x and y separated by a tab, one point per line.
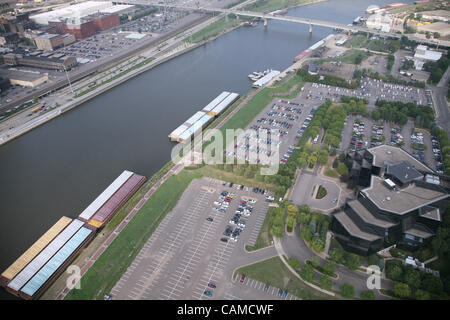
185	256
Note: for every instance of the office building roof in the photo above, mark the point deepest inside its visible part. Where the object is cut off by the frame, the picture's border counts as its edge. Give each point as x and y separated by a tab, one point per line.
384	155
401	201
403	172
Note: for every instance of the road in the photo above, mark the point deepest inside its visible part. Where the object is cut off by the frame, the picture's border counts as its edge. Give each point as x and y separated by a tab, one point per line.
294	246
440	102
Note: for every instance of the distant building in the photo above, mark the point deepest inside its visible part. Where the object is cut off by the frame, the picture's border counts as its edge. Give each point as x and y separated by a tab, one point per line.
423	54
313	68
9	38
80	10
380	21
441	15
86	26
49	41
397	203
27	79
68	39
45	61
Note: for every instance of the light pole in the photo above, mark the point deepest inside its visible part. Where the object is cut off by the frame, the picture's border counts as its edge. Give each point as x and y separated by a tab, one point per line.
67	75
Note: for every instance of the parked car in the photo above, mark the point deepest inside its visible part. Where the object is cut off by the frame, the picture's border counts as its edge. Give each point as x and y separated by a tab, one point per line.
208	293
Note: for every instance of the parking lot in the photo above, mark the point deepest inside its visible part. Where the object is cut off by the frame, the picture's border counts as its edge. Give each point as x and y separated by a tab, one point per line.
188	254
370	89
369	133
247	288
290	117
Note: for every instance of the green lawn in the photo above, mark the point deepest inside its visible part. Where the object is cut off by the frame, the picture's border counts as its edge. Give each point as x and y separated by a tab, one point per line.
357	41
267	6
321	193
264	238
214	30
350	56
258	102
331	173
274	272
223	175
110	266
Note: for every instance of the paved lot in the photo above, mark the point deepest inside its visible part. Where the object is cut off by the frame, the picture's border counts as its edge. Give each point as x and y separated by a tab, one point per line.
303	192
405	132
251	289
185	254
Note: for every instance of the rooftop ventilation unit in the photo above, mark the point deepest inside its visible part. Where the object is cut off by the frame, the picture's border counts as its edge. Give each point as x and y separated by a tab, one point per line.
389	183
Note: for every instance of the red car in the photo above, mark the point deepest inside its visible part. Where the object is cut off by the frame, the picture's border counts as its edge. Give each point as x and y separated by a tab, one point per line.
242	278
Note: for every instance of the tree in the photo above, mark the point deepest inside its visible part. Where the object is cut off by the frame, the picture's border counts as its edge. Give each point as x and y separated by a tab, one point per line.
336	255
367	295
317	244
412	278
422	295
307	272
402	290
347	291
305	233
342	169
352	261
432	283
325	282
394	272
335	163
329	267
303	218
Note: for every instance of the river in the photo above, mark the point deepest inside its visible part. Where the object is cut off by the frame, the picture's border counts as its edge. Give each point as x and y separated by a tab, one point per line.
60	167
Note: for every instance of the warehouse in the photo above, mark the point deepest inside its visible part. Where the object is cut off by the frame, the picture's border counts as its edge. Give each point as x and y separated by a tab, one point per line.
26	79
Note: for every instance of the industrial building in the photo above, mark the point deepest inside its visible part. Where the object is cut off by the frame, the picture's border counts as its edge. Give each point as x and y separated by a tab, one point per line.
423	54
80	10
380	21
49	41
399	202
202	118
26	79
41	60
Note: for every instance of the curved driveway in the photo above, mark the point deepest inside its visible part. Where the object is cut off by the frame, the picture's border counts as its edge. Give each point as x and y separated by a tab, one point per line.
294	246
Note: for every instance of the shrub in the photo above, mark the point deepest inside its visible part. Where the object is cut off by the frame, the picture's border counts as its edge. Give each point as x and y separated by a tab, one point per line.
367	295
325	282
422	295
347	291
307	272
321	193
402	290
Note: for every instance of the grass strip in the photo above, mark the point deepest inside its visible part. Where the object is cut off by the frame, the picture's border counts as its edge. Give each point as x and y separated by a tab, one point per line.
274	272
